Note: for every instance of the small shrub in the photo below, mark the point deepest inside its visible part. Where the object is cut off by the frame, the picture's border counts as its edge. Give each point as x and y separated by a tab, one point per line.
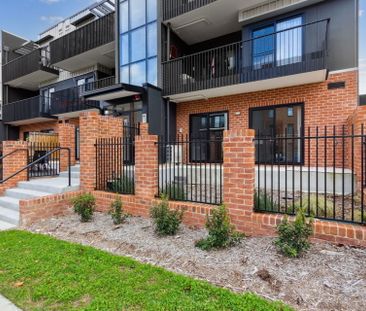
174	192
221	232
293	237
264	202
123	185
166	221
358	216
84	206
316	206
118	216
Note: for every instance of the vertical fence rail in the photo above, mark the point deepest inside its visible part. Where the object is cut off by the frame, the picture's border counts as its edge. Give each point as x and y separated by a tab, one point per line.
190	169
115	162
322	171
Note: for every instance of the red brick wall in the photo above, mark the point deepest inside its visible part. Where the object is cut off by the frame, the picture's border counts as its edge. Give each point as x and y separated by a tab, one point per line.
66	135
13	163
323	107
37	127
34	210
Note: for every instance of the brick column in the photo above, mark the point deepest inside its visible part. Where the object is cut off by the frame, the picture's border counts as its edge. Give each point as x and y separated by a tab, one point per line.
89	129
14	162
146	170
239	177
66	133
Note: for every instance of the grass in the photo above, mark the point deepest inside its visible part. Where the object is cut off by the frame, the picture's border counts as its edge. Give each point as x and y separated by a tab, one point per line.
38	272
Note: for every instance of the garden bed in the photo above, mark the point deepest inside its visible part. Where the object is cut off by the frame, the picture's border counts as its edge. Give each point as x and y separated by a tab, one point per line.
326	278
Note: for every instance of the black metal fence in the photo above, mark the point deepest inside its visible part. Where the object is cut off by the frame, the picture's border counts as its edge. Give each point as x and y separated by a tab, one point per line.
290	51
41	144
321	171
115	162
191	169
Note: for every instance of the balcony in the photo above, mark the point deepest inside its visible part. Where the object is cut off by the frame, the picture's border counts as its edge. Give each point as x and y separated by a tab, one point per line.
86	46
262	63
30	110
174	8
29	70
68	103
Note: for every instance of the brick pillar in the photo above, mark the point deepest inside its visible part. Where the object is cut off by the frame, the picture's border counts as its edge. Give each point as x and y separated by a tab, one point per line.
66	134
239	177
146	170
89	132
14	162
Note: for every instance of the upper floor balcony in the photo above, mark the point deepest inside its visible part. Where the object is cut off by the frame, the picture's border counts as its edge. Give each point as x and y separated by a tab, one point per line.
29	110
174	8
263	62
29	71
69	103
89	45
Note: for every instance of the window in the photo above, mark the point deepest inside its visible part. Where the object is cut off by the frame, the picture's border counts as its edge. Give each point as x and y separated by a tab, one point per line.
206	135
280	43
284	123
138	46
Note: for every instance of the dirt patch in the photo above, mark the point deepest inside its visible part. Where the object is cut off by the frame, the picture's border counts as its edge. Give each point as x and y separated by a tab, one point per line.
326	278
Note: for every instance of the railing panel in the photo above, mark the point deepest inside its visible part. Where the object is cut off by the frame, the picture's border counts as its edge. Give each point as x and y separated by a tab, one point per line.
190	169
91	36
296	50
321	171
173	8
115	162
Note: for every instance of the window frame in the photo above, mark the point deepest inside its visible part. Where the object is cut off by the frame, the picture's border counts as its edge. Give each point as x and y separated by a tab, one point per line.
301	134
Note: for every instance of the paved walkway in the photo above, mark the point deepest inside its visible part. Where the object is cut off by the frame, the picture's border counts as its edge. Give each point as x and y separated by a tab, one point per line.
6	305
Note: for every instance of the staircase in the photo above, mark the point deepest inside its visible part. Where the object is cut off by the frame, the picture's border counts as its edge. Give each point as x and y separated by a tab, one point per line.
40	187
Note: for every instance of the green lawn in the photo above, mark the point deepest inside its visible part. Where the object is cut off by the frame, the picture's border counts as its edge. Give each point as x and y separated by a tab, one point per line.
41	273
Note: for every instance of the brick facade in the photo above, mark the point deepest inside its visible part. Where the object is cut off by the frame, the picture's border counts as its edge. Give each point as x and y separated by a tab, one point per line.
66	135
322	107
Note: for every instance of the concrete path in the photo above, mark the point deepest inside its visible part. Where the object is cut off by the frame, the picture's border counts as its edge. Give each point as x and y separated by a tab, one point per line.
6	305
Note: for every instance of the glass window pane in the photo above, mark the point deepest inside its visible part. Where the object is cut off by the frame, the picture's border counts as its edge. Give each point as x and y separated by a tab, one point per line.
263	47
138	73
151	10
289	43
152	40
124	49
124	17
152	74
125	77
137	13
138	44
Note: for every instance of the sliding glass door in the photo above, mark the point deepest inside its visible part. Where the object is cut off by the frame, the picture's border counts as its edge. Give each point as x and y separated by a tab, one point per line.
280	128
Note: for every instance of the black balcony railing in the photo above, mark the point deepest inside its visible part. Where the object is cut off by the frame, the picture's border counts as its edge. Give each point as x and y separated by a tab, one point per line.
25	109
97	85
91	36
69	100
173	8
27	64
291	51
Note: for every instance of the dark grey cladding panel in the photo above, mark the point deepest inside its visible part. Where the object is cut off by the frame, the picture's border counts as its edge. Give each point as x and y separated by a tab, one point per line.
156	111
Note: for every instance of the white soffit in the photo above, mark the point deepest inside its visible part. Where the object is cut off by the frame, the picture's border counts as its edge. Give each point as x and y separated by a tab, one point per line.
272	6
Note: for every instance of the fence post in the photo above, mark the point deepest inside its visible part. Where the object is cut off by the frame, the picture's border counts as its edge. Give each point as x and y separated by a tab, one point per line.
89	132
146	170
66	134
239	177
14	162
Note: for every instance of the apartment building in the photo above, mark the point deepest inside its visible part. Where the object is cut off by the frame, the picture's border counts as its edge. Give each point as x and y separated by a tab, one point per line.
194	67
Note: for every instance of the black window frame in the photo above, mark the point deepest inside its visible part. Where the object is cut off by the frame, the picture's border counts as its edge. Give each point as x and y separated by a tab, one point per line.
301	134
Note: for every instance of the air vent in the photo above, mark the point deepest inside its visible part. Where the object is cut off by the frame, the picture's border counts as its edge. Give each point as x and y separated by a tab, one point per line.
271	6
337	85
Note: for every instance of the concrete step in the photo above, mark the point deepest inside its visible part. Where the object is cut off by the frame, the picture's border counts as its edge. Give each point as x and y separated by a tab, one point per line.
4	225
19	193
10	203
51	185
73	174
8	215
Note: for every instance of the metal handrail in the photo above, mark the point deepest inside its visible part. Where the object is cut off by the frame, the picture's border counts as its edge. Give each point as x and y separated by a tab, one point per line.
39	160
